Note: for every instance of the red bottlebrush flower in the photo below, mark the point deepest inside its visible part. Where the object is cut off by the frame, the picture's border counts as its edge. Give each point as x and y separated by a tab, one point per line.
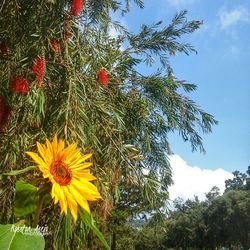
39	68
20	85
5	112
102	77
76	7
56	46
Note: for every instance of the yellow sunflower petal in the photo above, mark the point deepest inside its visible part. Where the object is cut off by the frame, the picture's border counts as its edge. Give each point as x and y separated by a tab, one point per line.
84	204
81	191
60	146
51	178
72	206
49	148
90	187
54	147
80	166
74	154
79	158
68	150
87	156
83	175
86	189
79	198
46	174
35	158
59	193
42	152
63	199
53	195
77	161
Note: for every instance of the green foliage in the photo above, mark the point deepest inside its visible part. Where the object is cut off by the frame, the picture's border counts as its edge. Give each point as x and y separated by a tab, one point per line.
11	239
25	199
152	235
239	181
63	233
220	221
123	236
214	192
88	221
229	219
154	40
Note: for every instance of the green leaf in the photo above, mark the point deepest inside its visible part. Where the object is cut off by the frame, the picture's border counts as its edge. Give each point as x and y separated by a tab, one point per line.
117	194
22	171
25	198
10	239
89	222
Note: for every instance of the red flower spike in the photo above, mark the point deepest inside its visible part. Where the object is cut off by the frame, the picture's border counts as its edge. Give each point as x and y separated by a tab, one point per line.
102	77
56	46
20	85
39	68
76	7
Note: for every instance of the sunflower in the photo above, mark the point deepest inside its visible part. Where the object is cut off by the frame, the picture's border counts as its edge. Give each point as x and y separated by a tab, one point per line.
68	171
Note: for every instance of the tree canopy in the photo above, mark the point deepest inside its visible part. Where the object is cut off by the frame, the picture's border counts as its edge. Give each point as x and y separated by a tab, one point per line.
221	221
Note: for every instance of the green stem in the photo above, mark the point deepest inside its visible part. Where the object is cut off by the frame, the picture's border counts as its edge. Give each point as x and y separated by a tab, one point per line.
41	192
38	210
21	171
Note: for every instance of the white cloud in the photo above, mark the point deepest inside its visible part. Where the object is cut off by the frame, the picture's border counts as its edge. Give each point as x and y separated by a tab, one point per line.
229	18
191	180
180	3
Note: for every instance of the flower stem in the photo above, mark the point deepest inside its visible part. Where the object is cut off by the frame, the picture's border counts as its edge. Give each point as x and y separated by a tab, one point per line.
38	210
41	193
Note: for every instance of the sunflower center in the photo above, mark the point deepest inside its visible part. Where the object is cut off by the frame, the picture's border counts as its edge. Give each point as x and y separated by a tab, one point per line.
60	172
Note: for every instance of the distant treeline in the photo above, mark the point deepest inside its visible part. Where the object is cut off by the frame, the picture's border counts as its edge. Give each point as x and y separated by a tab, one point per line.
219	222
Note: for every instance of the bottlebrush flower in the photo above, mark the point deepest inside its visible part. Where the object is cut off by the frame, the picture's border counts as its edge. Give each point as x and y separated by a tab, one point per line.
68	171
56	46
102	77
5	112
19	85
76	7
39	68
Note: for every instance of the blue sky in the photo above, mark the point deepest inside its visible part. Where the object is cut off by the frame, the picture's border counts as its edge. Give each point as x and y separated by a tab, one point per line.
220	70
